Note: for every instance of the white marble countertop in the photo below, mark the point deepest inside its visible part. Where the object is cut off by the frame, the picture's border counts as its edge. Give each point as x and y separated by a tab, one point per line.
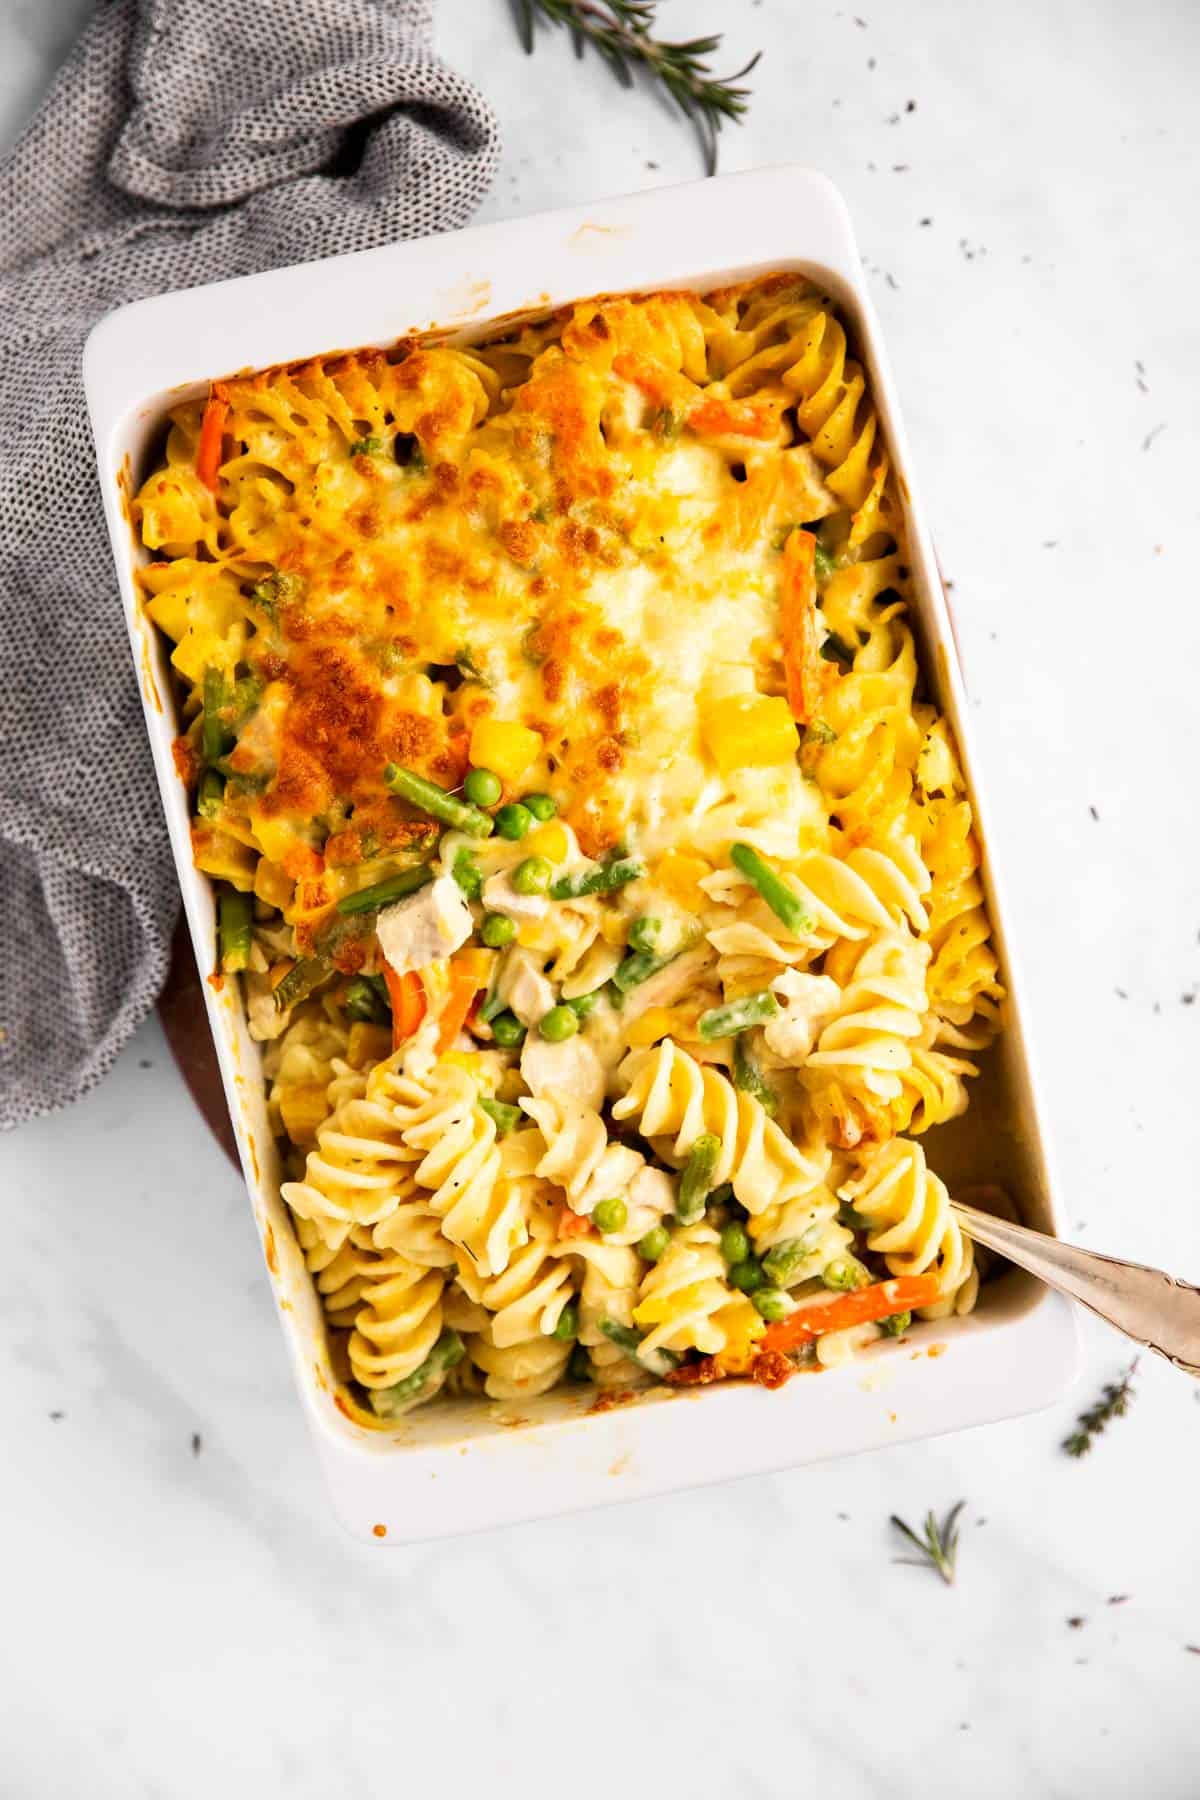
183	1617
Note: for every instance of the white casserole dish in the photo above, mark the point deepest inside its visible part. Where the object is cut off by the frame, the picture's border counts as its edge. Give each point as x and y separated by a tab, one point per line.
449	1468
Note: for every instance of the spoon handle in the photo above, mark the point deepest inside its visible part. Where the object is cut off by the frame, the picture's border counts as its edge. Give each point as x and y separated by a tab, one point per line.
1149	1306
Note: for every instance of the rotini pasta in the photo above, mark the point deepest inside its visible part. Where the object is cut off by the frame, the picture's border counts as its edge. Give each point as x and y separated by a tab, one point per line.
602	881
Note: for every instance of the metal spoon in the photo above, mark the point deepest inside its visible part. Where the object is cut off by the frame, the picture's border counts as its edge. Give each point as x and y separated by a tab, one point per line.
1147	1305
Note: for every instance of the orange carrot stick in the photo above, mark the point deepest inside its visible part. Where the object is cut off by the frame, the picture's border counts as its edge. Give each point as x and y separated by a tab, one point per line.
466	978
798	626
572	1224
408	1002
812	1318
729	418
212	427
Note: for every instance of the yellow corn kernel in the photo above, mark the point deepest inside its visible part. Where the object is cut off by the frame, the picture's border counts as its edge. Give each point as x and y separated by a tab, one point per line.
468	1060
550	841
660	1309
275	837
655	1023
749	729
743	1327
367	1044
272	885
304	1107
505	747
680	875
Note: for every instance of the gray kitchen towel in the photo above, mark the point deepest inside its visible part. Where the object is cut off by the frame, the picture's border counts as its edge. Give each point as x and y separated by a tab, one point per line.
184	141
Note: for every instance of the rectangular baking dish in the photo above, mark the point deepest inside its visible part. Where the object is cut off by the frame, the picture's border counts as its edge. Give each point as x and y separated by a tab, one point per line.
464	1466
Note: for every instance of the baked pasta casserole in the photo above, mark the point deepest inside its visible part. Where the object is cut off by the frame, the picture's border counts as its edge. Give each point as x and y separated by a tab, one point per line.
598	872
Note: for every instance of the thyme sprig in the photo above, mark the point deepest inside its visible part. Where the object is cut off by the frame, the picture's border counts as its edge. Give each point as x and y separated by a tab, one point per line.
938	1548
622	31
1112	1404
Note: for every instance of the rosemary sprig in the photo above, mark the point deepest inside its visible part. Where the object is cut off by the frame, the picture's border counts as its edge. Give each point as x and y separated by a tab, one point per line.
938	1549
622	31
1112	1404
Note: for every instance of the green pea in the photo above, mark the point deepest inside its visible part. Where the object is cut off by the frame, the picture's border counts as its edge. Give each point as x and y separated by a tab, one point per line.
559	1024
896	1325
533	876
844	1274
497	930
542	806
508	1030
735	1245
568	1323
584	1005
513	821
772	1303
579	1367
610	1215
644	933
654	1244
483	787
747	1275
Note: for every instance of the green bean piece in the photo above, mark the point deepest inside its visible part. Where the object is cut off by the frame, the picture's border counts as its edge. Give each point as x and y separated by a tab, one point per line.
446	1353
542	806
654	1244
696	1179
639	966
532	876
568	1323
609	1216
735	1244
559	1024
493	1006
468	875
513	821
209	794
367	446
429	798
504	1117
748	1077
623	1336
382	893
747	1275
896	1324
824	561
366	1000
300	980
579	1364
844	1274
783	1259
786	905
771	1303
738	1015
215	736
483	787
644	933
235	913
507	1030
604	879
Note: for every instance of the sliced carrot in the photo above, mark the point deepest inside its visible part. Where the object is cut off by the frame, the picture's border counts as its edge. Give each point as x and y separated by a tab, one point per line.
812	1318
468	973
798	626
408	1002
655	380
572	1224
212	428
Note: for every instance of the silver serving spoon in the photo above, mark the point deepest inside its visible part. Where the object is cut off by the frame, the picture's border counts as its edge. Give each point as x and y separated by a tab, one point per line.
1147	1305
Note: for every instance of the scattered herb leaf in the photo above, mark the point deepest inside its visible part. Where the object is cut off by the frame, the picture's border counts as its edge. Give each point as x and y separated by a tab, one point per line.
1112	1404
938	1548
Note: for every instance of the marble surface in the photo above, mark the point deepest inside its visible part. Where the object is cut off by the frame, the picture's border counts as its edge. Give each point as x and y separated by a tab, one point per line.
181	1615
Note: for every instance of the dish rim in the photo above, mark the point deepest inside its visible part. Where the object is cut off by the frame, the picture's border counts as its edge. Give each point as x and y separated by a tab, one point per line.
146	356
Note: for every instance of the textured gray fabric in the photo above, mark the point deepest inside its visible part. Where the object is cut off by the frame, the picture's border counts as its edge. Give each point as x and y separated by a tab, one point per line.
185	141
